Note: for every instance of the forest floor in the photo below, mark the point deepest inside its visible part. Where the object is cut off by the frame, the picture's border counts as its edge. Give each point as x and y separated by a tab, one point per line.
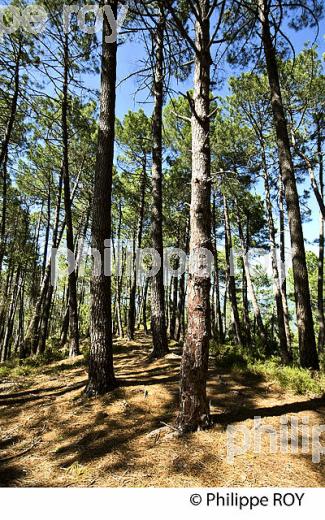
52	436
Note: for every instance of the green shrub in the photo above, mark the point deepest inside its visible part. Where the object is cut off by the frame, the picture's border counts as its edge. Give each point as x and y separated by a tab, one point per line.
86	355
21	371
4	371
229	357
299	380
51	354
24	367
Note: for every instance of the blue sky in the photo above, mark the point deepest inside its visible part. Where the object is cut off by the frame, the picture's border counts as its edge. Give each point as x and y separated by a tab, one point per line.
311	229
129	61
131	53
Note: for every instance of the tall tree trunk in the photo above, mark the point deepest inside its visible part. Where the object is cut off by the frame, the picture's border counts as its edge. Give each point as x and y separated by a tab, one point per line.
194	407
119	285
158	323
72	279
284	347
307	343
65	324
47	230
250	286
173	310
219	324
213	313
231	282
320	291
7	341
5	148
144	306
3	213
181	309
101	370
45	321
180	334
119	278
283	281
245	306
5	299
21	322
248	337
225	308
136	246
13	109
31	339
35	271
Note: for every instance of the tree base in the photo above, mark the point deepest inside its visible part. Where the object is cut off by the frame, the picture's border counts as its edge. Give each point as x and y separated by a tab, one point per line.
184	426
95	390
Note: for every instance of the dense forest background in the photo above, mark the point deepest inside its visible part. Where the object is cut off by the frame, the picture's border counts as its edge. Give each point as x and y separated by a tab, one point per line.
219	146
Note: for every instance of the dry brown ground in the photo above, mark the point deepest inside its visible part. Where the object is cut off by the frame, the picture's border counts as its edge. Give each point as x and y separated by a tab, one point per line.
51	436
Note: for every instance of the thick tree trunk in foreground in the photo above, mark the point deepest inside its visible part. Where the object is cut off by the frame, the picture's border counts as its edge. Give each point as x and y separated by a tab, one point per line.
307	343
194	407
158	320
101	371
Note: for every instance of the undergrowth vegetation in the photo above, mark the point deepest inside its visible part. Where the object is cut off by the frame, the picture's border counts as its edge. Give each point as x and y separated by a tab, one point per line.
23	367
293	378
228	358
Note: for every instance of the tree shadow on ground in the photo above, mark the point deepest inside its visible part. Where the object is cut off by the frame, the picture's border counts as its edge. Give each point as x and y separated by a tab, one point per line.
270	411
10	475
38	394
109	435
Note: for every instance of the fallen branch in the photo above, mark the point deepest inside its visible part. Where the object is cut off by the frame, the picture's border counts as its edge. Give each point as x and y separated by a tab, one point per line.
11	457
169	426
